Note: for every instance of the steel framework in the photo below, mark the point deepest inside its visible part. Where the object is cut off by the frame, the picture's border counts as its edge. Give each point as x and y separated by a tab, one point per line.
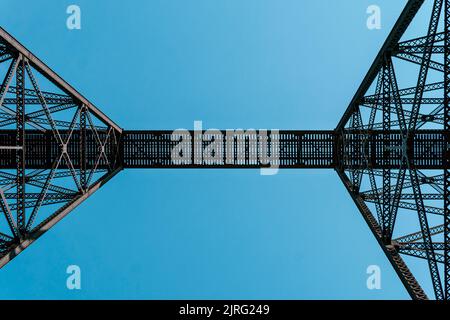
390	149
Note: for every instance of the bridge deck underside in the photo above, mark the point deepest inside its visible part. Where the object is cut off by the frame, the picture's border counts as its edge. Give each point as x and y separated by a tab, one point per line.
41	149
222	149
296	149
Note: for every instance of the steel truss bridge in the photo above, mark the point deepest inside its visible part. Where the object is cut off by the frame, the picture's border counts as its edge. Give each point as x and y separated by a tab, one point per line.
390	149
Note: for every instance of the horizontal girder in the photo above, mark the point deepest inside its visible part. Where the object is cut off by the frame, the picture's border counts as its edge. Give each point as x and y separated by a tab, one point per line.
42	148
233	149
297	149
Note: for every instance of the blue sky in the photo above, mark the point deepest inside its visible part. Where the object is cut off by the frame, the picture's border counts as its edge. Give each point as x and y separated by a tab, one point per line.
158	64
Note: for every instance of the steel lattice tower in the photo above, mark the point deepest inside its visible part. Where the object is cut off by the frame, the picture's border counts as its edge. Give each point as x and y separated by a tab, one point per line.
390	149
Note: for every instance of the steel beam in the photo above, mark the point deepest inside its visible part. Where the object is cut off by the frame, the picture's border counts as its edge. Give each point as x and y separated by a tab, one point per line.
447	152
407	15
55	78
15	249
410	282
20	143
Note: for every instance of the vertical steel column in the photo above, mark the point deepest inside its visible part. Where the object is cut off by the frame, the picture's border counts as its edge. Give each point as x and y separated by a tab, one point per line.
395	199
20	143
357	153
446	152
83	177
386	196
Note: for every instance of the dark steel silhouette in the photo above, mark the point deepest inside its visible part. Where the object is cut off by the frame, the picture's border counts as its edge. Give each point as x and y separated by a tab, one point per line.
391	149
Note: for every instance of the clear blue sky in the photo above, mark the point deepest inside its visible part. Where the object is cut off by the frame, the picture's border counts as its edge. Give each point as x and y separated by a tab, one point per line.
159	64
